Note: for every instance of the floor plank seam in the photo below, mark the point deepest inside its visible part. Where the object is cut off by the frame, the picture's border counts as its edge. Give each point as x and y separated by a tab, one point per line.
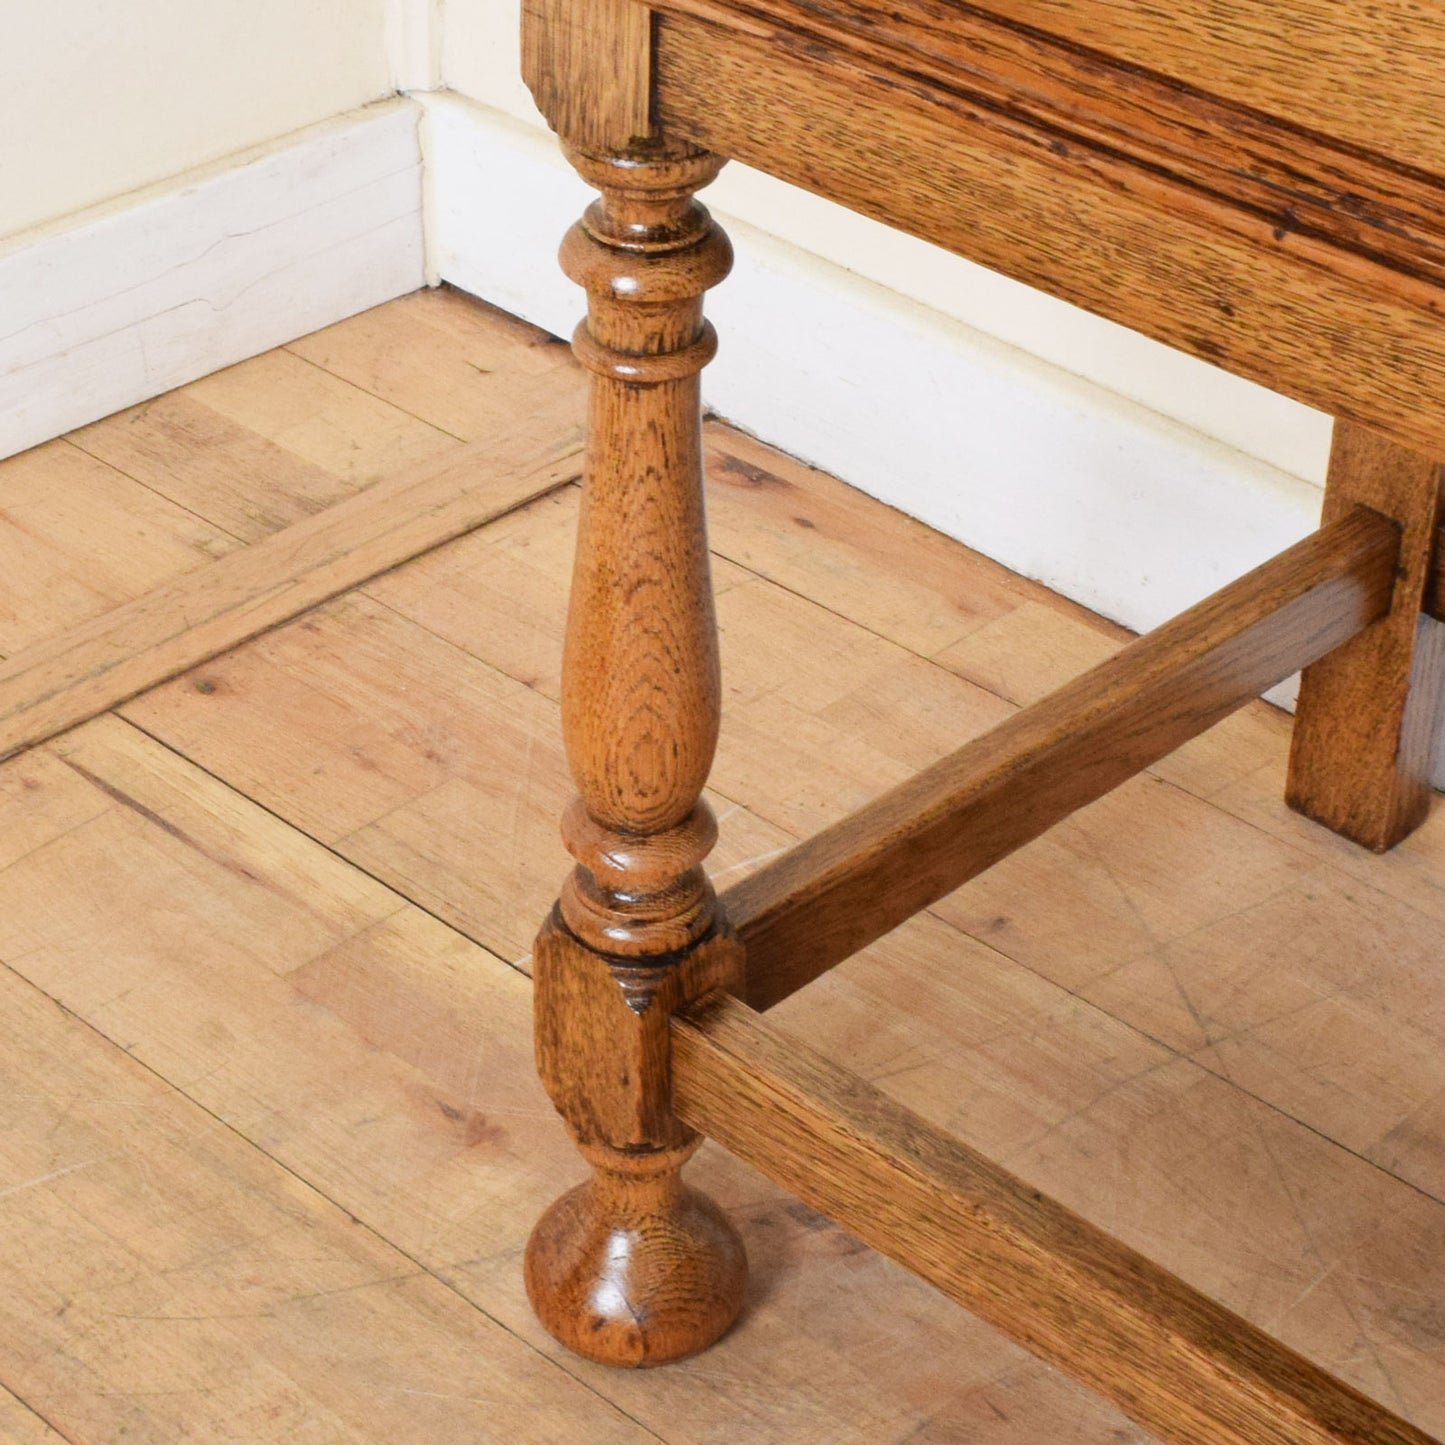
558	1361
458	927
114	695
73	439
993	948
391	888
375	395
1176	1056
41	1416
1193	1033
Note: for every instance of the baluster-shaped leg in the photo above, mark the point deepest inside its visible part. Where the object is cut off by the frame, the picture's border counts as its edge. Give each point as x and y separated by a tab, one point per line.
633	1267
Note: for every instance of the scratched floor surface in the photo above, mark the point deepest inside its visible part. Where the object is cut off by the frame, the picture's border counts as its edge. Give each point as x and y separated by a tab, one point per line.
271	1142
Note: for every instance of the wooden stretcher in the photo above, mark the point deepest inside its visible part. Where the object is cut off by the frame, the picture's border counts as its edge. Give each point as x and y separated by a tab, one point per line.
1262	185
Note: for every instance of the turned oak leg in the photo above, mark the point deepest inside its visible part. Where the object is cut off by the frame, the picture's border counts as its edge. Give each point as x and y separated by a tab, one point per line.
633	1267
1365	729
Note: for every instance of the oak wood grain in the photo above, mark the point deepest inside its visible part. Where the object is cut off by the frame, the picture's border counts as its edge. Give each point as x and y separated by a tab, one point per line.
852	882
634	1268
1167	1355
1198	263
589	68
1363	749
1328	184
1373	73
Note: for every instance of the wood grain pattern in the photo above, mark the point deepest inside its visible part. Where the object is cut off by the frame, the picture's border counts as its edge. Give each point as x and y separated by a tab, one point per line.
84	670
443	356
1327	184
1168	1356
392	1070
843	888
1207	271
1377	74
164	1279
1365	730
386	1060
79	538
633	1268
266	444
589	68
980	1044
23	1426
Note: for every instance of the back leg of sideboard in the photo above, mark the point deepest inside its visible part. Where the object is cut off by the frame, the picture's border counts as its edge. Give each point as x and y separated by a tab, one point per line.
1369	712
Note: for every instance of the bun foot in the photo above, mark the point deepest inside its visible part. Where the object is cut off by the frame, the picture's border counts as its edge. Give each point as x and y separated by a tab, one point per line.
634	1268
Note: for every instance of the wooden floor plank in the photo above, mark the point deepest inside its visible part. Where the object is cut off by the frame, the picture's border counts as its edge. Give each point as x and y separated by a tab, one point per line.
512	572
910	848
246	483
1152	1146
1157	990
817	536
1311	985
163	1280
442	356
78	673
77	538
385	1059
1168	1355
392	776
821	715
1233	1196
20	1425
264	444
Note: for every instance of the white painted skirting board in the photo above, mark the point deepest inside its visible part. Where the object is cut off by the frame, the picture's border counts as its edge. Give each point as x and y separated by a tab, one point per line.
115	305
1100	498
1108	502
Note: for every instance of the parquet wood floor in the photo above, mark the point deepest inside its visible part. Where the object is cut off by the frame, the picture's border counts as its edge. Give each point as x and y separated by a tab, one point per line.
270	1139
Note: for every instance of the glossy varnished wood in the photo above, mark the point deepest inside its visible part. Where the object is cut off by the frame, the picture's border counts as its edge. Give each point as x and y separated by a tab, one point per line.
1365	731
813	907
1173	1360
633	1268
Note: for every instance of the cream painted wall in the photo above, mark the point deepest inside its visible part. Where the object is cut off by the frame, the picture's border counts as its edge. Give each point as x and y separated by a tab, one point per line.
103	96
479	59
